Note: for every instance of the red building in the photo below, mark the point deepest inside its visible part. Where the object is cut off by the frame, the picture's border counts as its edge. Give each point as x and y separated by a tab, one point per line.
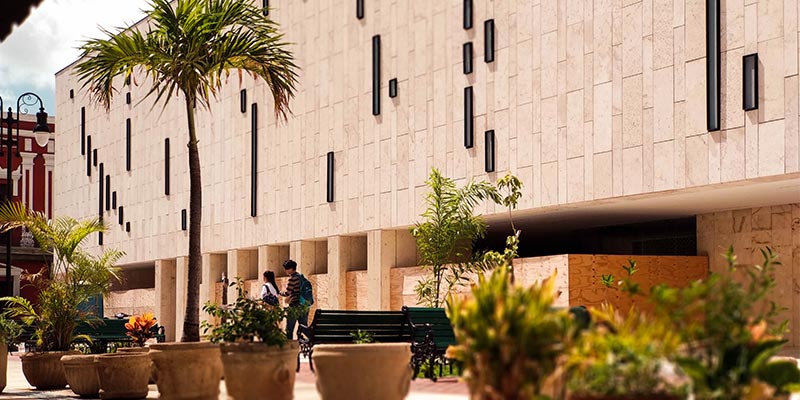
32	183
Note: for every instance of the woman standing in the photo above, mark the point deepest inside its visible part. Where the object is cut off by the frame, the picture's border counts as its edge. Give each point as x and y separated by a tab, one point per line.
269	290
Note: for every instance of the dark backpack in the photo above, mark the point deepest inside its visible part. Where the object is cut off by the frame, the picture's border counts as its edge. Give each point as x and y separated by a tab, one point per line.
270	298
306	292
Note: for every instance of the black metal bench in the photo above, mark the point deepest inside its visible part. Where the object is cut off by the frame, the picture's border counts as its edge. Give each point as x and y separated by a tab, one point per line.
104	332
335	326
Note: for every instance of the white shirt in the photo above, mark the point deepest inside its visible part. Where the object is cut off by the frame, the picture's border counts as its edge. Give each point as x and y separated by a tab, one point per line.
267	287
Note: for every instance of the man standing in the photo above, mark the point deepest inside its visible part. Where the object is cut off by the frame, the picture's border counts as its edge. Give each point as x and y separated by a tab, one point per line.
293	292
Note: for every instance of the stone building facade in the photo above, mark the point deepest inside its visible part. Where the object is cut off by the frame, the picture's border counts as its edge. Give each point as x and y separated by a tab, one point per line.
603	108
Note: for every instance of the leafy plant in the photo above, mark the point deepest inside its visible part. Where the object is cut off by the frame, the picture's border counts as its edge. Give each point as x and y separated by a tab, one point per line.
723	322
75	276
139	328
509	337
626	356
446	237
9	330
188	48
362	337
246	320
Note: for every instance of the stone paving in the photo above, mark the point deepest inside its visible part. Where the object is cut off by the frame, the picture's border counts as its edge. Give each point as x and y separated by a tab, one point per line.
304	389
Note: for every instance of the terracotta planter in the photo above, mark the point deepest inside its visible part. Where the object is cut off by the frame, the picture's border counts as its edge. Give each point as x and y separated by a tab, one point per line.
81	373
253	369
3	365
153	371
362	371
44	370
187	370
123	375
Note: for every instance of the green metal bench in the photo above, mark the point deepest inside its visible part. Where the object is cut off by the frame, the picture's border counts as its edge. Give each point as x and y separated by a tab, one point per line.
335	326
104	332
432	334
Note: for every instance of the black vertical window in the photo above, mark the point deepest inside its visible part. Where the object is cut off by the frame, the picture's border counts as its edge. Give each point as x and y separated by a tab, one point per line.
253	159
183	219
166	166
71	94
127	227
488	39
489	156
712	64
94	157
108	192
360	9
114	199
100	202
243	101
128	144
266	6
393	87
120	214
89	155
376	75
467	14
329	189
83	130
468	116
467	55
128	98
750	82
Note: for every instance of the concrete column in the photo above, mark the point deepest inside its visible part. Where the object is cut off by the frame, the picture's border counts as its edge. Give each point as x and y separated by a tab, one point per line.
303	252
381	257
165	297
49	162
181	284
213	267
338	262
27	179
271	258
242	264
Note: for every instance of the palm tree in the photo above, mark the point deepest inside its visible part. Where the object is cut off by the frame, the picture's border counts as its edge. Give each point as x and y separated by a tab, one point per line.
190	48
73	279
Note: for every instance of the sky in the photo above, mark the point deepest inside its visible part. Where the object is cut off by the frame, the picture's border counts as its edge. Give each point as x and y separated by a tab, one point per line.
48	40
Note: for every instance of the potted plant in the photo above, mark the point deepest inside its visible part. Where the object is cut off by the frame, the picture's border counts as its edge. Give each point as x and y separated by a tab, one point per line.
258	358
510	338
624	358
9	331
74	277
359	370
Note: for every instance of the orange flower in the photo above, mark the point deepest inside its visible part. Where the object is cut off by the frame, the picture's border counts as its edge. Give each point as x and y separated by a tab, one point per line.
139	327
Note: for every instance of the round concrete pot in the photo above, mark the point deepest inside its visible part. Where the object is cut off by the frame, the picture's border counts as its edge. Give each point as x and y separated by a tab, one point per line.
123	375
254	369
153	371
3	365
44	370
362	371
187	370
81	372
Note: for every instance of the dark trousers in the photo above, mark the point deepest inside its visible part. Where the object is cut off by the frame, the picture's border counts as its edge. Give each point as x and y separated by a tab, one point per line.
291	322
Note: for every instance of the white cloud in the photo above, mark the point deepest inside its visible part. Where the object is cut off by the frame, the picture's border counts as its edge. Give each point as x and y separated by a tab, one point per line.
48	40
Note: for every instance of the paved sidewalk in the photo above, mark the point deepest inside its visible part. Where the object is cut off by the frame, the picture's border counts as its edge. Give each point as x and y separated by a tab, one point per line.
304	389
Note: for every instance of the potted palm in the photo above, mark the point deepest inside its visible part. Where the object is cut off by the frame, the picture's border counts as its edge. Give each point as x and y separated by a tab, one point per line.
9	331
74	277
258	358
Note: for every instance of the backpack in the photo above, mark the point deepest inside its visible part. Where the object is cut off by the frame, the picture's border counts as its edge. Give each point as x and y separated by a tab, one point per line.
270	298
306	292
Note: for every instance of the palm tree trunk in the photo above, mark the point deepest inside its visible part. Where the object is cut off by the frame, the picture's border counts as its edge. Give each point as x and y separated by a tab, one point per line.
191	322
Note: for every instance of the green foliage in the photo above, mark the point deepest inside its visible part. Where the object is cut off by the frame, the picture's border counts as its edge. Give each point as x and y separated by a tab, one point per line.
723	322
362	337
509	337
446	237
625	356
780	375
74	278
9	330
246	320
190	47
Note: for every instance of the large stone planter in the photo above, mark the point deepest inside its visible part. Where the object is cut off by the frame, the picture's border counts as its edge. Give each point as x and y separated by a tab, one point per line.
363	371
81	373
123	375
44	370
253	369
187	370
153	371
